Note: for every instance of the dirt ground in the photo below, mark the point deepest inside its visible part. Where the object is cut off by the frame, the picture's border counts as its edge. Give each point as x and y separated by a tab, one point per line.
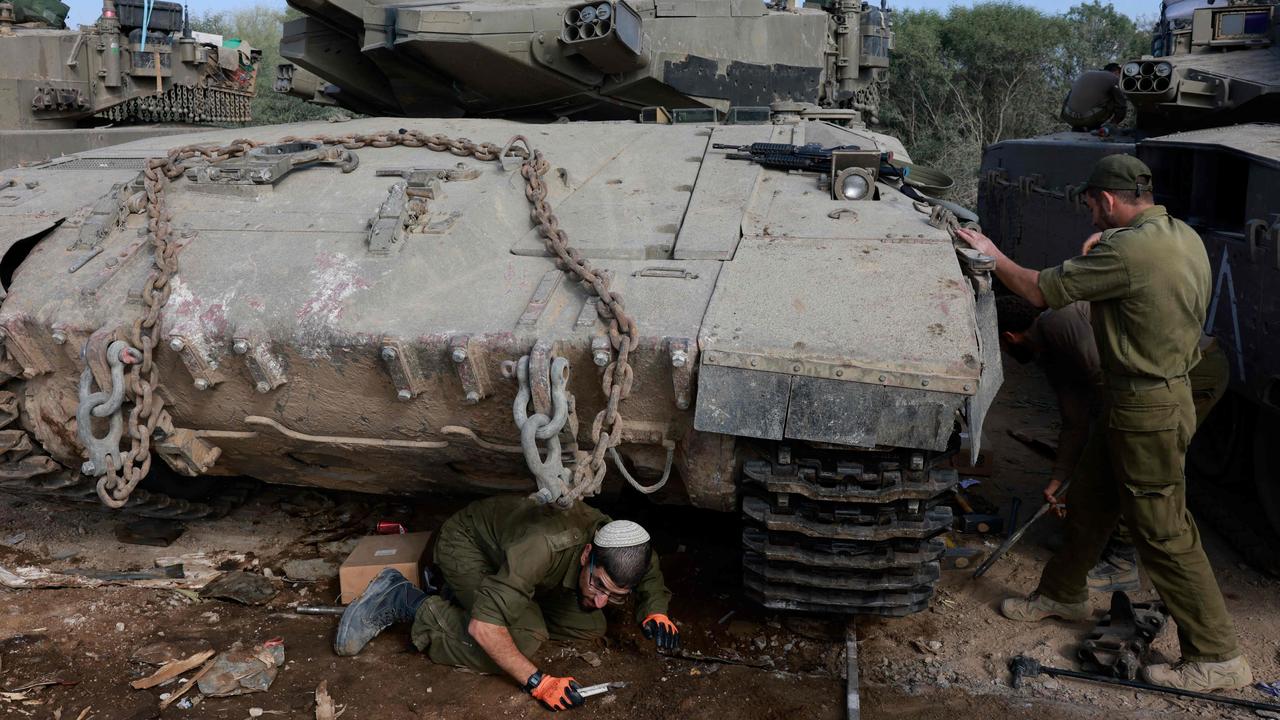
948	662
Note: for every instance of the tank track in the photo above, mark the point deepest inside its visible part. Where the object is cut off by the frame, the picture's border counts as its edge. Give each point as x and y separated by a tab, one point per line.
25	470
830	533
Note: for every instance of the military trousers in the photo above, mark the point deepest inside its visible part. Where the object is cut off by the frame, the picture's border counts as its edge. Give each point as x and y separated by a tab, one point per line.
440	625
1209	379
1133	468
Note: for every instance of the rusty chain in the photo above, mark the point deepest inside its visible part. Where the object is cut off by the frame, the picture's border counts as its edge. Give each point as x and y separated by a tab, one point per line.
146	391
606	429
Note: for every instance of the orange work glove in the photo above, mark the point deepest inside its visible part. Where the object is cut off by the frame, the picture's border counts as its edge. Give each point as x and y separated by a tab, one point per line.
664	633
553	692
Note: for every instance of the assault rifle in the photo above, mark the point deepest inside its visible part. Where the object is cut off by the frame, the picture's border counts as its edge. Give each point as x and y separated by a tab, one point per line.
810	156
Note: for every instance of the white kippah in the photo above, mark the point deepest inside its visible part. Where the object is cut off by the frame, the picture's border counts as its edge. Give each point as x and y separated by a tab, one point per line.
620	534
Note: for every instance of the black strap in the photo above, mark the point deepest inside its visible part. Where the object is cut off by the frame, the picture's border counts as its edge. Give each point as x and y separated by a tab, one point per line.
533	682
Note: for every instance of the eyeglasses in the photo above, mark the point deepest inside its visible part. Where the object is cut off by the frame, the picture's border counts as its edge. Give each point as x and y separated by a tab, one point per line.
598	586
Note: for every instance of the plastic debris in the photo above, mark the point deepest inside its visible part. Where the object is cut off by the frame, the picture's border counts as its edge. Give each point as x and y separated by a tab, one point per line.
242	587
310	570
1271	688
238	671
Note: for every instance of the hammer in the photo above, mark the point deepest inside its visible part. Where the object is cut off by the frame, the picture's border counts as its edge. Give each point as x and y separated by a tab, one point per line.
1023	667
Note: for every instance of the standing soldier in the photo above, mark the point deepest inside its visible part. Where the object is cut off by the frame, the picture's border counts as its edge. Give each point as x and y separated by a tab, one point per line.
1095	98
1149	281
1061	342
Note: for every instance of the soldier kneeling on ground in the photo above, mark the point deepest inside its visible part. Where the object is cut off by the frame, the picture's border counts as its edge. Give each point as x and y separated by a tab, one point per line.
516	573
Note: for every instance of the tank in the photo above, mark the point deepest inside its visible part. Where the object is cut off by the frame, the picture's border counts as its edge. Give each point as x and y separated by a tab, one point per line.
756	311
60	88
1213	77
546	59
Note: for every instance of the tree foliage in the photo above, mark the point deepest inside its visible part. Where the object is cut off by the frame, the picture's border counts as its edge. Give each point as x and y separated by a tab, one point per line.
996	70
260	26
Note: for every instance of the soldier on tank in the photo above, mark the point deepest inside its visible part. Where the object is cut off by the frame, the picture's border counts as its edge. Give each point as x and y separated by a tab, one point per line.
1061	343
1148	280
1095	99
516	573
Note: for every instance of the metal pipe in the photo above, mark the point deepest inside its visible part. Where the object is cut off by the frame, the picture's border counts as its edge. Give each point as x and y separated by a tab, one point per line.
340	440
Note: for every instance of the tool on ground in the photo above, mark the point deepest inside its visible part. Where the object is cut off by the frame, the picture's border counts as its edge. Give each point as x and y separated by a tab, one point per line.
960	558
984	523
168	572
1016	536
600	689
853	699
1121	637
1025	667
320	609
691	656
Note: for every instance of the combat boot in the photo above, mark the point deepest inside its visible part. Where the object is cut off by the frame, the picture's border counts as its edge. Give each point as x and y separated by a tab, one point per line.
1036	607
389	599
1201	676
1117	571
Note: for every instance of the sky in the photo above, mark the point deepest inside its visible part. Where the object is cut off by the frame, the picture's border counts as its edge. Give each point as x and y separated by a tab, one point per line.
86	11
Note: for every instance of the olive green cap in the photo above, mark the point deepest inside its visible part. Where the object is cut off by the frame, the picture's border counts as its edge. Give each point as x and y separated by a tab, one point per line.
1120	172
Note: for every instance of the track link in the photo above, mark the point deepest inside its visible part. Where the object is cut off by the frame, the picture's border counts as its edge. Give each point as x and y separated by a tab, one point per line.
833	535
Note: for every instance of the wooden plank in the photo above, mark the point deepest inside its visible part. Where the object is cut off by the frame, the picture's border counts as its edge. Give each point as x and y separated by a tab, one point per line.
171	670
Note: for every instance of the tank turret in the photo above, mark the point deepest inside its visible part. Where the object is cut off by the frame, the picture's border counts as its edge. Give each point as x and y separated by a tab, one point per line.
1210	64
128	67
546	59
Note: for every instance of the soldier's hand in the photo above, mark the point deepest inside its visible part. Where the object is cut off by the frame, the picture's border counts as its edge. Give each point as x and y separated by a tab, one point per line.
555	693
1090	242
664	633
1051	497
977	241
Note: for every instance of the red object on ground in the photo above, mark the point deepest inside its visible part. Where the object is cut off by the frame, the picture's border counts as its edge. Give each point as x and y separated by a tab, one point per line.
386	527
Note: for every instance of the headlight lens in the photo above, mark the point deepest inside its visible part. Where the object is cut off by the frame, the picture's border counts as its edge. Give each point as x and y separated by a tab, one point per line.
854	187
1164	69
1131	69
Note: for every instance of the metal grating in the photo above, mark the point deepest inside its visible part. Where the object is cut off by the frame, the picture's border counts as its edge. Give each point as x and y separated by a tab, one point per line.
92	163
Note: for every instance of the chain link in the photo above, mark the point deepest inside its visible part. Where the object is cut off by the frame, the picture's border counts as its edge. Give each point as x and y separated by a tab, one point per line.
143	384
606	429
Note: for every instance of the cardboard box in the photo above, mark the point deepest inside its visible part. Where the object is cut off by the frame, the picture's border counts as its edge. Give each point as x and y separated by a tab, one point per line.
405	553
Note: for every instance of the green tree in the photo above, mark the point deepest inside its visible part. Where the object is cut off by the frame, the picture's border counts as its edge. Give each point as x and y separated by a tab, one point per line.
260	26
977	75
1100	35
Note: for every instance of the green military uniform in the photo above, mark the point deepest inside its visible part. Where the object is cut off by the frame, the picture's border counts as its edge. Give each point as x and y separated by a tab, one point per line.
1066	351
510	562
1095	98
1149	284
